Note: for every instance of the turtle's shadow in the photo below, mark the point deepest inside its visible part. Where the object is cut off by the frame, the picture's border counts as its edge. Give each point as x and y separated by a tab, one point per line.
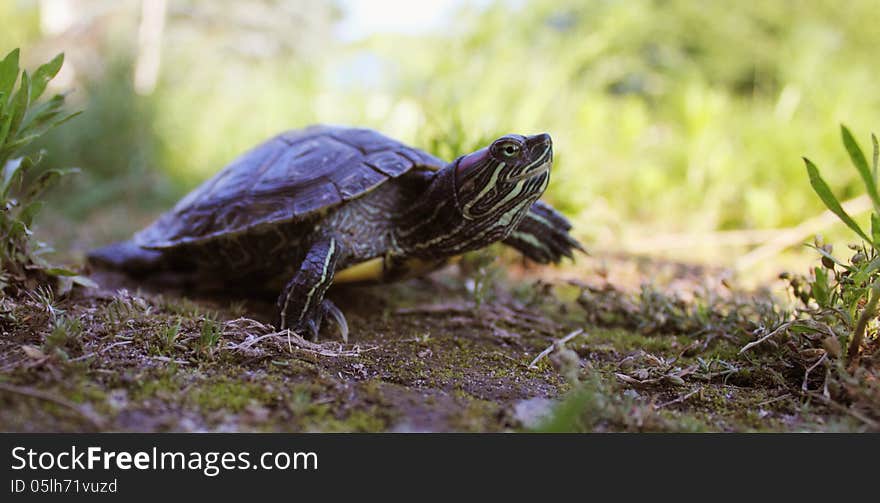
258	304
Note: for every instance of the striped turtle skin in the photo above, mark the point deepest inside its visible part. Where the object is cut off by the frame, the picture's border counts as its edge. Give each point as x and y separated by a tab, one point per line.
328	204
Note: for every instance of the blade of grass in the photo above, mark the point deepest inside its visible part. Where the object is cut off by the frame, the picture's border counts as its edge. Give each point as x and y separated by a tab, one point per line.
830	201
861	165
876	154
875	227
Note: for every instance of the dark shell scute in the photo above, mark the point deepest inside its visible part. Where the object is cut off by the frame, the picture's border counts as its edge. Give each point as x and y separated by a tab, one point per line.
389	162
305	168
358	181
364	140
313	197
241	173
287	178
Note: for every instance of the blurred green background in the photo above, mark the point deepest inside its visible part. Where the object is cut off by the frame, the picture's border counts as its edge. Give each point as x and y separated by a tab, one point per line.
679	126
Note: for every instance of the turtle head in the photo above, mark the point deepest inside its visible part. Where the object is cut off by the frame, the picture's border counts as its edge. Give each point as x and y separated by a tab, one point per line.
479	198
497	181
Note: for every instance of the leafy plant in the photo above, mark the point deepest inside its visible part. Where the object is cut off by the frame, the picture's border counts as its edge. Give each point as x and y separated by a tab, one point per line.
23	119
824	342
845	288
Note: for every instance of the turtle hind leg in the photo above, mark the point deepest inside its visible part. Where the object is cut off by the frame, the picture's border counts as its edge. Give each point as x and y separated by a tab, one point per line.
127	257
301	305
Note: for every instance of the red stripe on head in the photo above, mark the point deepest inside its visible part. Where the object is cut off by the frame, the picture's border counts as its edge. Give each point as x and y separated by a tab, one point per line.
470	160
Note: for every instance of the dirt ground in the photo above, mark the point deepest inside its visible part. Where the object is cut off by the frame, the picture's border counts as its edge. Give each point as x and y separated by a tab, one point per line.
491	350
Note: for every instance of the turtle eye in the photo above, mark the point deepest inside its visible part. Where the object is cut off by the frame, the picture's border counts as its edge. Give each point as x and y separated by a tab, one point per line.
508	149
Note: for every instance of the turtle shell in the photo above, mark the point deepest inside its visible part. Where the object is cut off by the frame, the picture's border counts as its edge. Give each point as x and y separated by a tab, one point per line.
288	178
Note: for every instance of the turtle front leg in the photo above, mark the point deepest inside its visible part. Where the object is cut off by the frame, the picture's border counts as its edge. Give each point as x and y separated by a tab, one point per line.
301	305
543	235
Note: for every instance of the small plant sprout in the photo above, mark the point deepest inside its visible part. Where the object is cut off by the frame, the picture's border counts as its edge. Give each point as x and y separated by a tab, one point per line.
209	335
168	337
45	298
65	335
124	308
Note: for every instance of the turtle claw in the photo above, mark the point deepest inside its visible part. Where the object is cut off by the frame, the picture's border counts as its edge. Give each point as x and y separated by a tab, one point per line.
312	326
313	329
329	308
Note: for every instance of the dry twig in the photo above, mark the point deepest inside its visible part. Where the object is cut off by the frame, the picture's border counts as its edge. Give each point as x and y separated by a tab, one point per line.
680	399
256	333
102	350
811	368
555	345
772	334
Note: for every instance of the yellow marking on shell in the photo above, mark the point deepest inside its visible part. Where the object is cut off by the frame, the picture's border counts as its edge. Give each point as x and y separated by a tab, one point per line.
374	269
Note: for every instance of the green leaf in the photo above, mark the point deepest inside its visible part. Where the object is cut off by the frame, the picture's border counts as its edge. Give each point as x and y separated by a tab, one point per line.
876	153
46	180
863	274
5	126
8	174
27	214
8	72
13	171
40	127
84	281
798	328
20	102
830	201
830	257
54	121
17	230
59	271
861	164
42	112
875	227
43	75
820	287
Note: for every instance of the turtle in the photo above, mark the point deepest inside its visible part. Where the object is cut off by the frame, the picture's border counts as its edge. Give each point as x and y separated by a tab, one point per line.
333	204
